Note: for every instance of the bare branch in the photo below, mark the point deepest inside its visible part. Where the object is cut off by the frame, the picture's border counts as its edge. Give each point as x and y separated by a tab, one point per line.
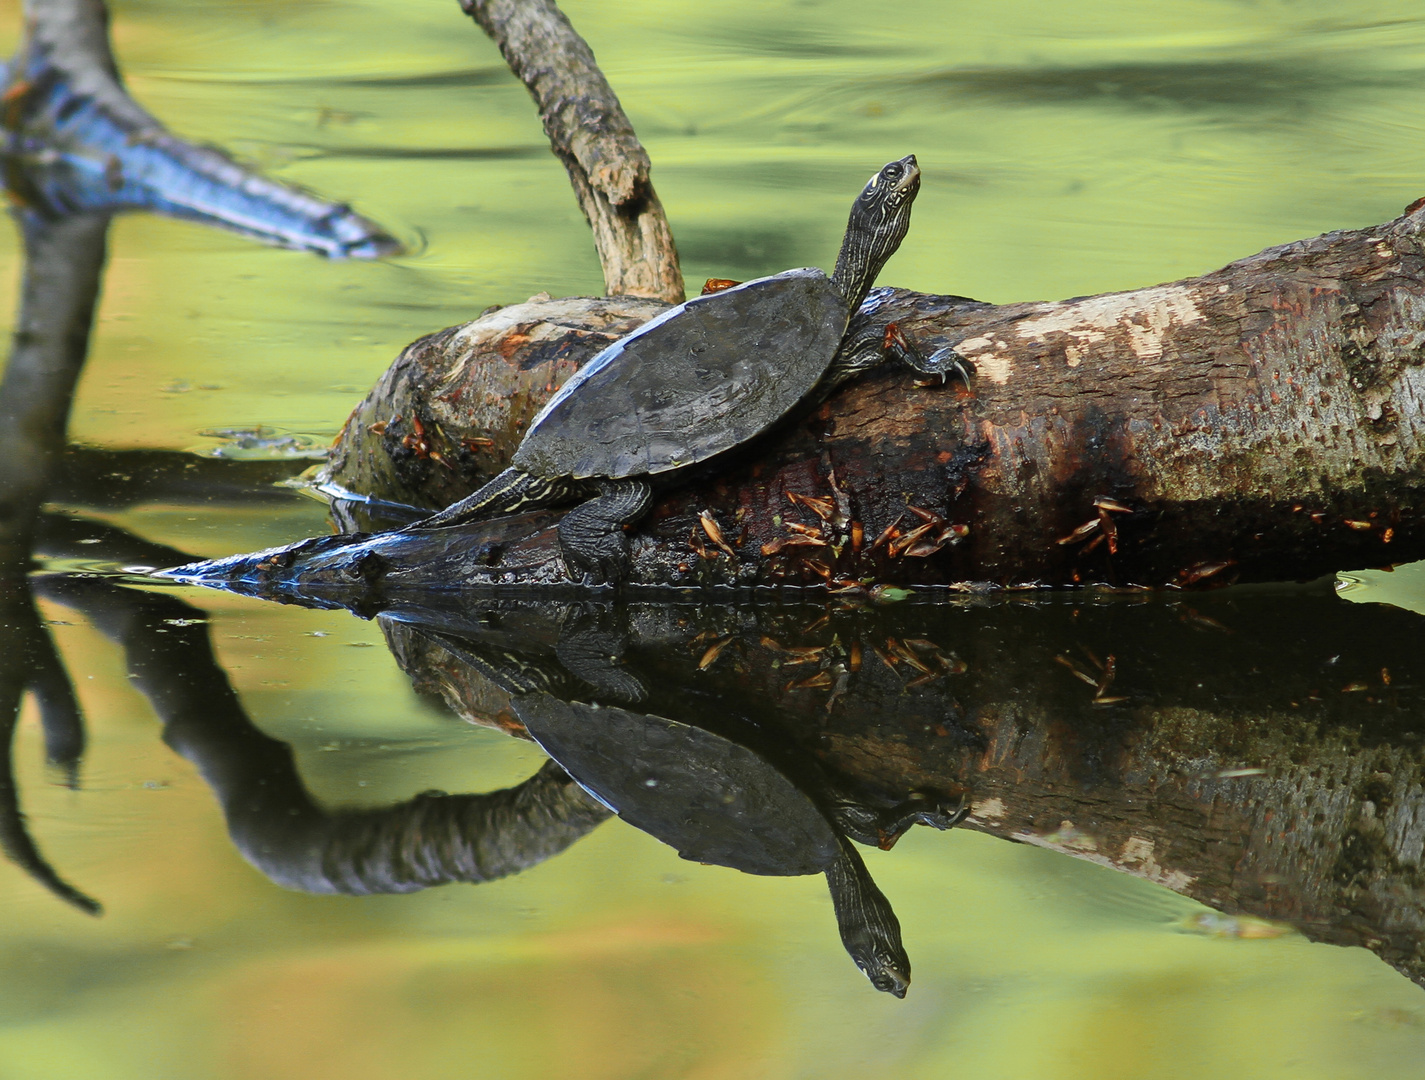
589	132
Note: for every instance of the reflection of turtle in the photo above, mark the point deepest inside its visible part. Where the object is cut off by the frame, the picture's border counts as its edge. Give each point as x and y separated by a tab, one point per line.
716	801
699	380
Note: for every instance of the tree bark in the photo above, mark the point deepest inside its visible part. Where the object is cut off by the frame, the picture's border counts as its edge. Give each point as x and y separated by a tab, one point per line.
590	134
1262	422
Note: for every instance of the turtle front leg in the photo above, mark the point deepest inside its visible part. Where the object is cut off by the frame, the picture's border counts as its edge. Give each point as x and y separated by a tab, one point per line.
894	823
860	351
942	362
591	535
873	345
882	828
869	928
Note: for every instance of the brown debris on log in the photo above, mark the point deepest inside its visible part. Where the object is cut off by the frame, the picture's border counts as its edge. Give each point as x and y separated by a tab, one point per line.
590	134
1262	422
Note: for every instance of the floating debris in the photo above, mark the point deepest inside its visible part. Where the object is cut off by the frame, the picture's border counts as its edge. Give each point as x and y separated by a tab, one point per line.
261	444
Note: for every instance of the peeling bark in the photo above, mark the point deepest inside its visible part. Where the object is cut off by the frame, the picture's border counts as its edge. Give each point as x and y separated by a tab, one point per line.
1262	422
590	134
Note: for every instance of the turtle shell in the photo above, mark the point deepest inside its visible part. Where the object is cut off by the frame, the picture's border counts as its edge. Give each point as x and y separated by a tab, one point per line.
701	378
711	799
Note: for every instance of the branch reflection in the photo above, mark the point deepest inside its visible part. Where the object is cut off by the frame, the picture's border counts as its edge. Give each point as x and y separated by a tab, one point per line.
76	150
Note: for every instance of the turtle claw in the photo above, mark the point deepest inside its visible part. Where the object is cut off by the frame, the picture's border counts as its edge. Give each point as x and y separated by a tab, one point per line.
950	360
939	816
941	363
944	362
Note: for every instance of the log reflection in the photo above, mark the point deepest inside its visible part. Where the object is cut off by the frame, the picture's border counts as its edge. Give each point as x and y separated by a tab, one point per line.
1256	750
1259	751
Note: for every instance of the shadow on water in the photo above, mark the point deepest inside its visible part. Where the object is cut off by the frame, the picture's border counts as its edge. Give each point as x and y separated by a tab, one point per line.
1236	87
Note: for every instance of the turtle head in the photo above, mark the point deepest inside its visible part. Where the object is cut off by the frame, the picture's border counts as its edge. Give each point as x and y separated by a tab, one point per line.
870	931
885	963
880	218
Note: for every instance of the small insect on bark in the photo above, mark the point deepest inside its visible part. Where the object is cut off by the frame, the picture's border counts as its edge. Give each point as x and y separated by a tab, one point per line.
796	540
714	651
888	533
419	442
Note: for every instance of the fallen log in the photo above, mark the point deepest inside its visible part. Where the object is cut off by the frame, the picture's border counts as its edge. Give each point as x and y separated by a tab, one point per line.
1262	422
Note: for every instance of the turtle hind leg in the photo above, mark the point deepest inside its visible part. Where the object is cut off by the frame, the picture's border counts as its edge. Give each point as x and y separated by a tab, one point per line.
870	931
593	653
509	492
591	535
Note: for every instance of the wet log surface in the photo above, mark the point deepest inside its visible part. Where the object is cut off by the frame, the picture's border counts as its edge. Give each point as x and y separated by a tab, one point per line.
1262	422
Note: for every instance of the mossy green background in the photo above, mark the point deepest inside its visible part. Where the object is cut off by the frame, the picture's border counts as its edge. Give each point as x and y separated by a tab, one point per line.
1067	149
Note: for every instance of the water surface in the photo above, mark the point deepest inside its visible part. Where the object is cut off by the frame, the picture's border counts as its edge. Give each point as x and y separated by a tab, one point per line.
1066	149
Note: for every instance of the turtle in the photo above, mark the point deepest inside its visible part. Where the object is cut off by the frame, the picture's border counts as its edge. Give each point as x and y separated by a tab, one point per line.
716	801
697	381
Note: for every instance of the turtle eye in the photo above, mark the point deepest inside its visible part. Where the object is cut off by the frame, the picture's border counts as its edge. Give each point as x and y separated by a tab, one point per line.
892	171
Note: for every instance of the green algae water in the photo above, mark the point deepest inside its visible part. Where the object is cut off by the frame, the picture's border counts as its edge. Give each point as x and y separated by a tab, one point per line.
1066	149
